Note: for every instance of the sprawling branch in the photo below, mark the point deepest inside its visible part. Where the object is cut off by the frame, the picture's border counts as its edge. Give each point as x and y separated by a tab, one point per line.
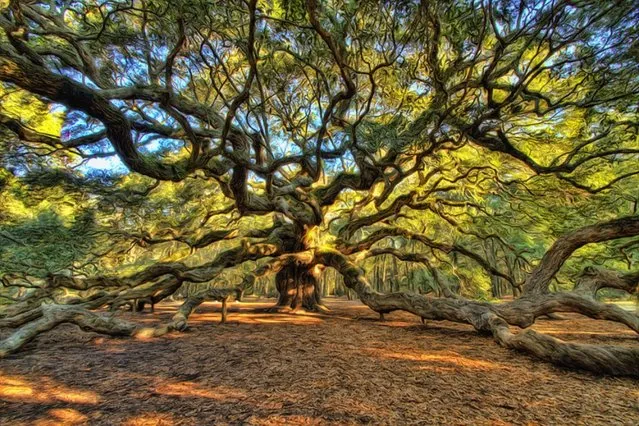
289	117
38	80
156	281
594	279
496	318
390	232
539	280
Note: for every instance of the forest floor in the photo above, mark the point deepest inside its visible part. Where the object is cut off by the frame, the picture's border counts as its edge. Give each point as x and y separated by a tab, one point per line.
343	368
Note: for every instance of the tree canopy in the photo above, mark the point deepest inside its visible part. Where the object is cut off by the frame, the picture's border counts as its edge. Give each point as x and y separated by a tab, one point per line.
484	146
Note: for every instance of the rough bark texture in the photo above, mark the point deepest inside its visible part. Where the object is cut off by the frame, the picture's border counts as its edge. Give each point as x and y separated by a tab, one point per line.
297	277
298	288
538	281
54	315
69	300
297	186
495	319
593	279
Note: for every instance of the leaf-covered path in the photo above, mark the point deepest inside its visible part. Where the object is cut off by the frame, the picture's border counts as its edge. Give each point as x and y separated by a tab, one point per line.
342	368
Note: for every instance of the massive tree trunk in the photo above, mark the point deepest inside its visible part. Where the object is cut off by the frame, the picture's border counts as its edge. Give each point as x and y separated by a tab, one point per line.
298	269
298	287
297	278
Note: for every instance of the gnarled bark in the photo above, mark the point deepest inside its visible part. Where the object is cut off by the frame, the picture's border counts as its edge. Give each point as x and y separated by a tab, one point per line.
496	319
298	287
53	315
156	282
539	279
601	359
594	279
297	274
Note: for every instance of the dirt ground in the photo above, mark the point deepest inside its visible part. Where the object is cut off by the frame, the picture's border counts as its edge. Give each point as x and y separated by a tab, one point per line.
342	368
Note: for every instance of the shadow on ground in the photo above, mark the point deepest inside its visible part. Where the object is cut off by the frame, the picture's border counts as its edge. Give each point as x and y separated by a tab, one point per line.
341	368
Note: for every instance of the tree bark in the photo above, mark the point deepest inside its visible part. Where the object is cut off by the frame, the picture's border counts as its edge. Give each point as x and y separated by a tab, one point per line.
496	319
594	279
540	278
298	287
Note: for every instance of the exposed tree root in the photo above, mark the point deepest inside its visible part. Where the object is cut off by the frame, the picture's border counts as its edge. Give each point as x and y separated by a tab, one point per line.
163	279
497	318
69	300
275	310
318	307
602	359
54	315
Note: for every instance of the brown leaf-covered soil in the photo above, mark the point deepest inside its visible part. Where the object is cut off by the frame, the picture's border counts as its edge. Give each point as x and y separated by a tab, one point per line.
343	368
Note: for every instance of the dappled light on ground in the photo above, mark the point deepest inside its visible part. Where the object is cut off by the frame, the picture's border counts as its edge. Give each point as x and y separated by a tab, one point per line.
14	388
579	329
345	367
151	419
438	359
187	389
65	416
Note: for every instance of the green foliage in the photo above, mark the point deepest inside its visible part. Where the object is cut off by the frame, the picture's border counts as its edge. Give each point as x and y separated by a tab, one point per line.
493	129
45	244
